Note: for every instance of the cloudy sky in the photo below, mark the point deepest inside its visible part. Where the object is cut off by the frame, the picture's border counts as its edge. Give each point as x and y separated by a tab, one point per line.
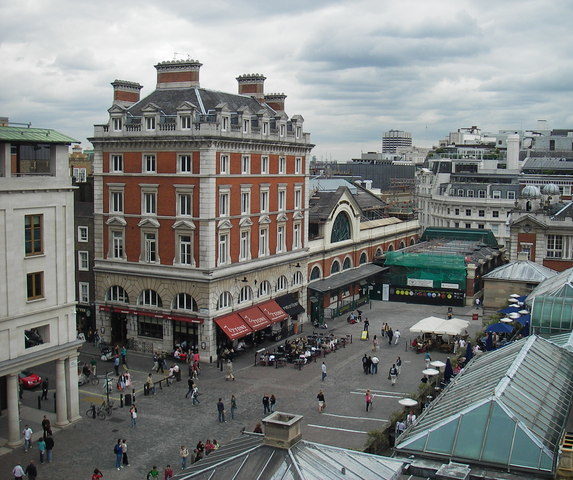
352	69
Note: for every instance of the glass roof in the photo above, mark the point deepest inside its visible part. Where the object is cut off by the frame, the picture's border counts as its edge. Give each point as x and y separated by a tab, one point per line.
561	285
564	340
508	408
552	314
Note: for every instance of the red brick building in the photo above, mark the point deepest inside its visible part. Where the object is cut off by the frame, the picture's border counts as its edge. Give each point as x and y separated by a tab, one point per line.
201	212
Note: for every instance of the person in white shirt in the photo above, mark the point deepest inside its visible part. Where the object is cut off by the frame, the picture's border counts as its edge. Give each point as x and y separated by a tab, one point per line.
27	437
18	472
396	336
374	365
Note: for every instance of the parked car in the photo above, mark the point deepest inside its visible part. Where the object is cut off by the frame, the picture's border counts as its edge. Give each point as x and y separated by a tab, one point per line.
29	380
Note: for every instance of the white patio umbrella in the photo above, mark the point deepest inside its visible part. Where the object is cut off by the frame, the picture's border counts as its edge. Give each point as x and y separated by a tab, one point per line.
523	312
437	364
430	372
514	315
408	402
506	320
515	295
512	300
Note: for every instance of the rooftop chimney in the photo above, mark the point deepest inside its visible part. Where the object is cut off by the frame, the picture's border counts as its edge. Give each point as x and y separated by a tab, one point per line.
276	101
125	93
282	430
178	74
252	84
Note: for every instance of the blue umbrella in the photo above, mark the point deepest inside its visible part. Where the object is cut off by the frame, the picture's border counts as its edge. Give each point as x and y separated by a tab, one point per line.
499	328
469	352
507	310
448	371
522	299
524	319
489	343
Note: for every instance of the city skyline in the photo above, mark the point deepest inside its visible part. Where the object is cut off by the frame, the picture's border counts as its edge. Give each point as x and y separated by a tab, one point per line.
355	69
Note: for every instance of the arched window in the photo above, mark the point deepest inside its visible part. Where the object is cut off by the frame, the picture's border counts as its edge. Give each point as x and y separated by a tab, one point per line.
245	294
184	301
412	242
282	283
335	267
379	252
297	278
341	228
149	298
346	264
115	293
225	300
402	245
363	258
315	273
391	248
264	288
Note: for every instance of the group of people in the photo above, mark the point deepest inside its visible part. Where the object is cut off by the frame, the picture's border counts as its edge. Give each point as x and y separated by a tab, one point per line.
45	448
221	411
370	367
200	451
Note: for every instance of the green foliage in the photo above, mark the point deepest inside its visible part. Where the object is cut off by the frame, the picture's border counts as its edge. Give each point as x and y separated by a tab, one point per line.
377	442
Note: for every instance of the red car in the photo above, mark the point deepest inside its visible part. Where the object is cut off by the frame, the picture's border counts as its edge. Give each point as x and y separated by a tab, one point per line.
29	380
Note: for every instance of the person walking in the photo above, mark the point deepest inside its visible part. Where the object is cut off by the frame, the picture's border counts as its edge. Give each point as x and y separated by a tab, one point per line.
97	475
195	395
272	402
153	473
27	433
46	426
233	406
190	385
49	446
266	404
368	398
31	471
124	459
168	473
45	385
369	364
118	454
365	363
321	401
366	324
183	455
116	365
397	336
323	368
124	357
18	472
398	364
390	334
42	449
375	343
428	359
374	366
221	410
229	370
393	374
133	415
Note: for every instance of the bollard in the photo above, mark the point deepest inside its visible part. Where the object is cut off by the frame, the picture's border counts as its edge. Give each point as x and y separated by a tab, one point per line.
133	395
39	402
93	411
54	402
121	400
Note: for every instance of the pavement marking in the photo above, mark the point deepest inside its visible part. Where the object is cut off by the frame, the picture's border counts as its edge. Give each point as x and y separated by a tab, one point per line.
356	418
379	395
335	428
392	392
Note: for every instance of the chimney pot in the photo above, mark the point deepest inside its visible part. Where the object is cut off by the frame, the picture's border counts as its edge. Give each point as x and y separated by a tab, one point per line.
178	74
252	84
125	93
276	101
282	430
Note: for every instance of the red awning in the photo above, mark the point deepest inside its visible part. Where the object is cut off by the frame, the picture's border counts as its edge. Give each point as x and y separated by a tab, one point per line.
131	311
233	326
255	318
273	311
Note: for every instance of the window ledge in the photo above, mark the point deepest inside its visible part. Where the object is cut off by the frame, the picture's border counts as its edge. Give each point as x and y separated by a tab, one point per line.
35	300
34	255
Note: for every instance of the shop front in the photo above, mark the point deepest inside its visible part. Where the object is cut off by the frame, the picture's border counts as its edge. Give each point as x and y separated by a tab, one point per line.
289	303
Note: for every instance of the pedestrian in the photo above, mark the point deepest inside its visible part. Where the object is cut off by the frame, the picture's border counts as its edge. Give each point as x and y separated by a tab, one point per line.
366	324
374	366
209	447
168	473
97	475
272	402
190	385
18	472
398	364
45	385
183	455
266	404
162	363
365	363
153	473
93	364
410	419
390	334
124	357
31	471
116	365
118	454
368	398
428	359
397	335
229	370
200	450
195	395
155	362
27	433
321	402
133	415
221	410
49	446
46	426
124	459
369	364
177	372
42	449
323	368
393	374
478	301
149	385
233	406
375	343
258	428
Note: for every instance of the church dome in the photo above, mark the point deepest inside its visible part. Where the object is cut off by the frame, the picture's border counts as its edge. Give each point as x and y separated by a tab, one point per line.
550	189
531	191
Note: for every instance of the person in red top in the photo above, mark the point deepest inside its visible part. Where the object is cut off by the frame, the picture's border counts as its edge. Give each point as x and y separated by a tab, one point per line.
168	473
97	475
368	398
209	447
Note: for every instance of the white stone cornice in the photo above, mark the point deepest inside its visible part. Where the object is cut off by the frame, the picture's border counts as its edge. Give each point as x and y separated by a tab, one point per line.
183	225
118	221
148	222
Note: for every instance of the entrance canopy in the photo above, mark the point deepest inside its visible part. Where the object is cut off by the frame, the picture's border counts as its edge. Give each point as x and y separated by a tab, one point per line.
273	311
233	326
346	277
440	326
254	318
290	305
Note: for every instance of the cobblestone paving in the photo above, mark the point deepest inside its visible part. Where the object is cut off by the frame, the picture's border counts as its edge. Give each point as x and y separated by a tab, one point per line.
168	420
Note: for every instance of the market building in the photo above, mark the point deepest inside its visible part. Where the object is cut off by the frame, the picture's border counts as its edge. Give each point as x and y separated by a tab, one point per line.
200	213
37	287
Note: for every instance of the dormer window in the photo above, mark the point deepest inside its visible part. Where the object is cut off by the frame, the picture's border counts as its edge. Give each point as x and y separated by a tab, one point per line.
150	123
282	131
117	124
298	132
225	125
246	126
185	122
265	128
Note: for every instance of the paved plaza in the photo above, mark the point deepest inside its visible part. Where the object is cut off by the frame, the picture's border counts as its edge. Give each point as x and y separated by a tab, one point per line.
168	420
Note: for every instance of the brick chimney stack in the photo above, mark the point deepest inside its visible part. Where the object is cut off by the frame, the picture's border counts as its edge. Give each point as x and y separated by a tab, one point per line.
125	93
178	74
252	84
276	101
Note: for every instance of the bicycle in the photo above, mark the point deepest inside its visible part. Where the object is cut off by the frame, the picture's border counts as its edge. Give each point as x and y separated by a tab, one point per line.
103	411
93	379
